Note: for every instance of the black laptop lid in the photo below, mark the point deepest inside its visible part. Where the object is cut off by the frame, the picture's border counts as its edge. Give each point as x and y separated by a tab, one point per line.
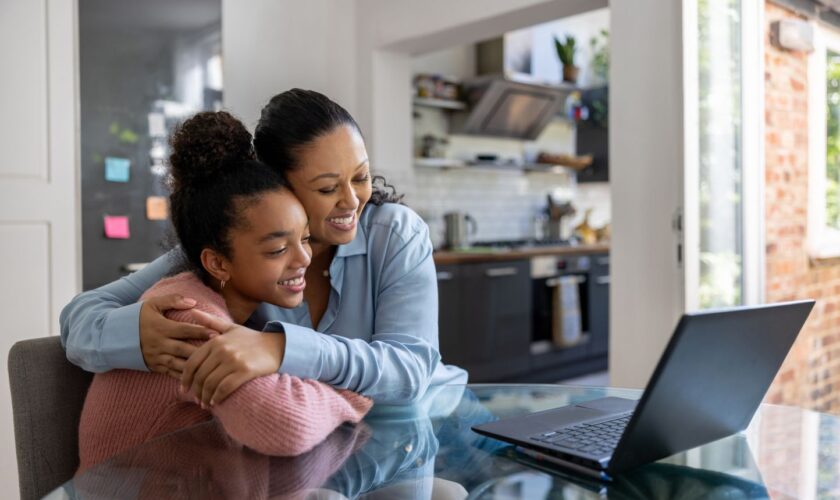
710	380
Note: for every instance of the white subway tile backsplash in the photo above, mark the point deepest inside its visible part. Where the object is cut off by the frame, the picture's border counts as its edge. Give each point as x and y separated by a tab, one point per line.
503	203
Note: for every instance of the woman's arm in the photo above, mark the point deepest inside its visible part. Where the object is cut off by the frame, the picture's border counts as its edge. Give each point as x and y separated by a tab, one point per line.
286	416
397	364
401	358
100	329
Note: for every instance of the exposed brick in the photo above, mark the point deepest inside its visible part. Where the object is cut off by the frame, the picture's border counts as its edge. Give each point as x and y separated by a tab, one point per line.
811	370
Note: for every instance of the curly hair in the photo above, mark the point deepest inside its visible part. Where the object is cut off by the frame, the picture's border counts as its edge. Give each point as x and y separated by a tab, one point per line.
292	120
213	177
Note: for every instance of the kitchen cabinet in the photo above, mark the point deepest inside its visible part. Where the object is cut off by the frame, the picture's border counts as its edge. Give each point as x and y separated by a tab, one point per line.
599	304
489	316
453	345
485	318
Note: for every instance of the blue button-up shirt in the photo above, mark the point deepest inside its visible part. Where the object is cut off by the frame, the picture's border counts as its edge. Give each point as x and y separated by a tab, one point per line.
378	335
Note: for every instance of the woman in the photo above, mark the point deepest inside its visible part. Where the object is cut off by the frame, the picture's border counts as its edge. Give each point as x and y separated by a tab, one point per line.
246	242
369	318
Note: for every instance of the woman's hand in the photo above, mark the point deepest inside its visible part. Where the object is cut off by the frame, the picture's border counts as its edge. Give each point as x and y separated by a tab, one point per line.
217	368
163	341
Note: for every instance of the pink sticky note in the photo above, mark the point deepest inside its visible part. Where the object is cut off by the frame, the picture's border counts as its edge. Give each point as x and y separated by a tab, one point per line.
116	227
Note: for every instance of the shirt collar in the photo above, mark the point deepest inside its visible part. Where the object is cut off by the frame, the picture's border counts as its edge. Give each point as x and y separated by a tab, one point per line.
356	247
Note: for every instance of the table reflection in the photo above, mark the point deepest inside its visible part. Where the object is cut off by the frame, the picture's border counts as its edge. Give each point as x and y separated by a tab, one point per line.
427	450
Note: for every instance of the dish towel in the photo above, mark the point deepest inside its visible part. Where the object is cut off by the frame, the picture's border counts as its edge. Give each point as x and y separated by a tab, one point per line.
565	316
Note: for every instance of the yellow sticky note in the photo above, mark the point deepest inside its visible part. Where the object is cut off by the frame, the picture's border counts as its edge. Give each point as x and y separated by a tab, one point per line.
157	208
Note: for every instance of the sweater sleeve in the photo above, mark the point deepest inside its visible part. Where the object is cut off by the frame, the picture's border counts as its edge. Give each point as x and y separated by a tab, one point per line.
276	414
282	415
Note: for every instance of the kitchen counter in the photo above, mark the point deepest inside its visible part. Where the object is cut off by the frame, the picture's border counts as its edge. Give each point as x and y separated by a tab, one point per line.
488	254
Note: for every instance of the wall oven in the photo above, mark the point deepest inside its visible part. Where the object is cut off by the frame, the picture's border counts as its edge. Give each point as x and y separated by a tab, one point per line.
548	272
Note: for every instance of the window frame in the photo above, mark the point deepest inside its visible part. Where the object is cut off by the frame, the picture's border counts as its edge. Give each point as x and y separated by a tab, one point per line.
823	241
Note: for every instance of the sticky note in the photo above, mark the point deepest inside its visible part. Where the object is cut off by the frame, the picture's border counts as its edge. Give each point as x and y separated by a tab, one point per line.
117	169
116	227
157	125
156	208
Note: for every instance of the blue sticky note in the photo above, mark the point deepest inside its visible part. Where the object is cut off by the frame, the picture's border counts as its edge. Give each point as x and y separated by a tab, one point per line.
117	169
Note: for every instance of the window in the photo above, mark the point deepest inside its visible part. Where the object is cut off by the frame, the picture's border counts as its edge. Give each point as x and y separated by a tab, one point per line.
824	139
721	151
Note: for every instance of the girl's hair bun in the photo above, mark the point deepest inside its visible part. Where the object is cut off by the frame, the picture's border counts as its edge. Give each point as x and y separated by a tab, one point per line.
206	146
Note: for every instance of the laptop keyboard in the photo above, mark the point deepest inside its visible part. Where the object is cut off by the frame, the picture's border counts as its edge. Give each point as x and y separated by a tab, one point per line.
590	438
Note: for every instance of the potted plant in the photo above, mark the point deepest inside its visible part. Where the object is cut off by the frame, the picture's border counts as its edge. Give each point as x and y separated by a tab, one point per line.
566	53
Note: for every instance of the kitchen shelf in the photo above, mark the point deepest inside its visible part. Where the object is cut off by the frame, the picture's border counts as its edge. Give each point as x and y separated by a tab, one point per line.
451	163
430	102
439	163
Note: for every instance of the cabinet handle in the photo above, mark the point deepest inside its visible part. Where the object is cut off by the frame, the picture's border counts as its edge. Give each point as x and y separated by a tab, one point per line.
552	282
602	280
501	271
444	276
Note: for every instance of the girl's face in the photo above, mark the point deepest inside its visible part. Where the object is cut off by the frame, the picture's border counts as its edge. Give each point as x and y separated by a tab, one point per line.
270	251
332	181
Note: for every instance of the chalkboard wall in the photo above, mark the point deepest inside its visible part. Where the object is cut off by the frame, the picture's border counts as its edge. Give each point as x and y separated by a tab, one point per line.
126	73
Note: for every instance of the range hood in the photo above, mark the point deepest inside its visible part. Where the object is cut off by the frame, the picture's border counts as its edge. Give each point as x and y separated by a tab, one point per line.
503	105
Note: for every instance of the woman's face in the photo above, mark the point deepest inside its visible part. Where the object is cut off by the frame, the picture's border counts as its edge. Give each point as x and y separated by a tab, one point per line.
270	250
332	181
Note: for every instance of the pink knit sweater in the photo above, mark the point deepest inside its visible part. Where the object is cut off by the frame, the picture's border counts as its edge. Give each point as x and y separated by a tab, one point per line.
275	414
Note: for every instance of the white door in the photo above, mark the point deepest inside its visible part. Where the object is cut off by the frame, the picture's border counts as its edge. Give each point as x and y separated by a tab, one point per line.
39	247
685	169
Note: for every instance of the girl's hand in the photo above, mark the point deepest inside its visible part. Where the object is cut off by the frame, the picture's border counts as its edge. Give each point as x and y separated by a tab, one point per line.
163	341
217	368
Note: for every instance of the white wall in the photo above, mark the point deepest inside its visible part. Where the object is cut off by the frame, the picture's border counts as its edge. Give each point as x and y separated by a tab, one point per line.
269	46
646	175
458	62
39	223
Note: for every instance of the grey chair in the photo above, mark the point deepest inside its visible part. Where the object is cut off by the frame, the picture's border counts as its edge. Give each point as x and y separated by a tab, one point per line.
47	397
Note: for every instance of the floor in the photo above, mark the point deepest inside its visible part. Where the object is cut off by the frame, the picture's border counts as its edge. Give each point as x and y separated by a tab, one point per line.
601	379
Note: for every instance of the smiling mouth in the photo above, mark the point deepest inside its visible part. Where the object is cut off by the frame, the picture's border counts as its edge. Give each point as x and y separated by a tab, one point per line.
292	282
344	221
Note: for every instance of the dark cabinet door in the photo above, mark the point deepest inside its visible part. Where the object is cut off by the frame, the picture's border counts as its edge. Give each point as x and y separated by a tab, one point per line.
453	345
496	318
599	304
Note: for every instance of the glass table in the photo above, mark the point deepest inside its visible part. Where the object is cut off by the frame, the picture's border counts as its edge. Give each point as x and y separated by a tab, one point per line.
427	450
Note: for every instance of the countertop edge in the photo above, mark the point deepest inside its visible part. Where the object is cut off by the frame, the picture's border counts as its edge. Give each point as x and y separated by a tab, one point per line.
444	257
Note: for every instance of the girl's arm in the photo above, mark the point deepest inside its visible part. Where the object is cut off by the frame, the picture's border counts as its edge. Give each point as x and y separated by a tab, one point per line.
283	415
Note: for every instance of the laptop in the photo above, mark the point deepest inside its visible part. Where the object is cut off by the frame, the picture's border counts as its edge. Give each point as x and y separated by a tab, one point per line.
707	385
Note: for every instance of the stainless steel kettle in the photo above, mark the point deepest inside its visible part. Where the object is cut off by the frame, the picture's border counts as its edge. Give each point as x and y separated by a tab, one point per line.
459	227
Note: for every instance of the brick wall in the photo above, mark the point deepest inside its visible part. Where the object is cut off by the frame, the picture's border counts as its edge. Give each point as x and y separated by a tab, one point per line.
810	376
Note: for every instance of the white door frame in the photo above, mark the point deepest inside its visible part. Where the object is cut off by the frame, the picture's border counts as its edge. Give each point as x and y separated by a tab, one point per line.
39	182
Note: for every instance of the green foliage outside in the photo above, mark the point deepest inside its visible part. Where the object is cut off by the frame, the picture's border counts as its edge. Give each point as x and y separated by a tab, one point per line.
832	154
